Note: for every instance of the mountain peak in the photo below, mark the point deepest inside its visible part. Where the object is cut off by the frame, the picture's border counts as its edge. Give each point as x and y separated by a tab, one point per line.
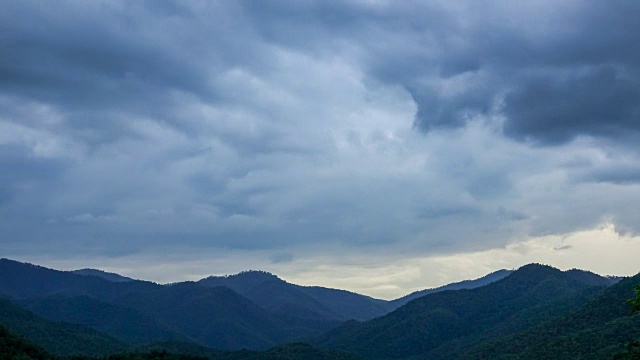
592	278
535	269
246	275
102	274
244	279
585	277
254	273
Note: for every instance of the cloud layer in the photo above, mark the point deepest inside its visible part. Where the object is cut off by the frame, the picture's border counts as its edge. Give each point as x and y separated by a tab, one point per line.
295	130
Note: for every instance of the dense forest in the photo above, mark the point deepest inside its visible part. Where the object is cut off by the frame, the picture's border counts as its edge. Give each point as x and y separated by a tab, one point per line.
14	347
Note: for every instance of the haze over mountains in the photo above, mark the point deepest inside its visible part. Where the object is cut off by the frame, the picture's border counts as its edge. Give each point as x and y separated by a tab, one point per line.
107	313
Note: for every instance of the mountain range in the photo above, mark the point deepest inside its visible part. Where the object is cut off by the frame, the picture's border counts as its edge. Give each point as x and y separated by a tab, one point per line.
309	302
447	324
528	313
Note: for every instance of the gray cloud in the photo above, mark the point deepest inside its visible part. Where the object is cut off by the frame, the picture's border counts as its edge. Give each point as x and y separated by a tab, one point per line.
572	71
412	128
556	109
280	258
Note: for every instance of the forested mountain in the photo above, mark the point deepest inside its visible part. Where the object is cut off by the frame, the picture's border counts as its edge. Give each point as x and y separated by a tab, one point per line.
595	330
465	284
120	322
313	302
13	346
55	336
444	325
535	312
23	281
217	317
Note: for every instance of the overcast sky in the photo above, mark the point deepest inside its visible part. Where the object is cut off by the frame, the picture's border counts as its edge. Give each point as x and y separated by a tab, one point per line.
378	146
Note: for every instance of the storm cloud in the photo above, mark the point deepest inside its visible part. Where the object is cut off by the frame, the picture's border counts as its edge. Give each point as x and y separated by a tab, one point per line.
301	130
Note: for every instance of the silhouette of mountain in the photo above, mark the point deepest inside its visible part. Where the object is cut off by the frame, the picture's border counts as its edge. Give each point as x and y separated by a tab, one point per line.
465	284
313	302
102	274
445	324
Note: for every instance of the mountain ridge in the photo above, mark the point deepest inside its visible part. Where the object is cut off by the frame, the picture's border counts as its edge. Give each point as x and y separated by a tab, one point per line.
315	302
252	326
464	284
435	321
102	274
444	324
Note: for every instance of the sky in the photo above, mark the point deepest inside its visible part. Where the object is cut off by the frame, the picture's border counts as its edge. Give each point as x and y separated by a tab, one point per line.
376	146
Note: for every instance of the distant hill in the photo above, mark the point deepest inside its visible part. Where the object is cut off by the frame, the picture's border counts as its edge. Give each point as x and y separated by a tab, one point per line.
102	274
586	277
445	324
217	317
313	302
220	317
57	337
23	281
465	284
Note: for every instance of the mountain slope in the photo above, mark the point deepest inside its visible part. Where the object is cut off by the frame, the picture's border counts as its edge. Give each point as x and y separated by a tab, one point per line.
293	351
283	298
120	322
465	284
22	281
13	346
596	330
442	325
102	274
57	337
217	317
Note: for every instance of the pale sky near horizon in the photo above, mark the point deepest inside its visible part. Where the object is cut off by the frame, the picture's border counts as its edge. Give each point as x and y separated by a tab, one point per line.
377	146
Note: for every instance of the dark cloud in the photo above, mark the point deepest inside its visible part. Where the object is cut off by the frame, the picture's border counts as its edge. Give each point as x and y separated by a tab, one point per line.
600	103
23	177
572	73
128	126
616	172
99	63
436	110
